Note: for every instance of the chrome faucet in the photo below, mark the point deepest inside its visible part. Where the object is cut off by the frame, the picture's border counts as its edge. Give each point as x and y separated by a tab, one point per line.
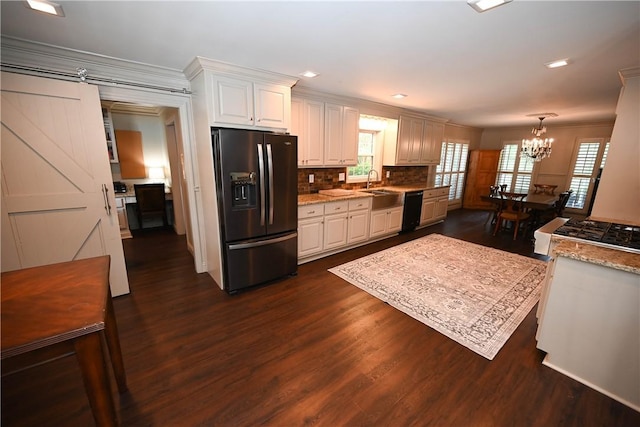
369	177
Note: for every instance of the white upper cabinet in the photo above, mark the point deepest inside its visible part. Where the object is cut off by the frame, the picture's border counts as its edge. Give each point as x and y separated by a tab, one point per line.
242	102
410	141
233	101
418	143
241	97
307	123
272	105
341	127
432	143
327	132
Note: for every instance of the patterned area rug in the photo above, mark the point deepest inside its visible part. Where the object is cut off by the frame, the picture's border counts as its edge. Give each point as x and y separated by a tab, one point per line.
473	294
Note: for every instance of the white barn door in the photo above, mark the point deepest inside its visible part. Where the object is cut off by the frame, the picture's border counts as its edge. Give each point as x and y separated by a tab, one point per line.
57	191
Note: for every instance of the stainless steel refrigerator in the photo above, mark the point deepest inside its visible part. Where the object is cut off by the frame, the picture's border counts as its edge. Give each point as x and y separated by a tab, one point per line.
257	190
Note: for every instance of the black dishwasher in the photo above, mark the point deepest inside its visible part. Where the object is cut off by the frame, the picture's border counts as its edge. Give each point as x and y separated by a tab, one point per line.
412	209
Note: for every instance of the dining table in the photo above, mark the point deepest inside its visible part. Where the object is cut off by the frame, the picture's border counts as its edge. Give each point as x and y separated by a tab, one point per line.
56	310
535	203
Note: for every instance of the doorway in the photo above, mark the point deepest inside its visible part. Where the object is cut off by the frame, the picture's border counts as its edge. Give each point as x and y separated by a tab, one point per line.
159	131
180	151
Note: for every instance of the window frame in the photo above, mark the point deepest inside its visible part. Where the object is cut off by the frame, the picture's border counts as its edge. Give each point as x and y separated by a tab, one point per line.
598	162
378	150
443	170
522	171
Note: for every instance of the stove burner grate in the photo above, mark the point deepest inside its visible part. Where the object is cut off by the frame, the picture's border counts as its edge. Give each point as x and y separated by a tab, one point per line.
605	232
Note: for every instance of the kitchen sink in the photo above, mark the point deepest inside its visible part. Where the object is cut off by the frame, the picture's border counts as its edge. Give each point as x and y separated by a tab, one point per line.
383	199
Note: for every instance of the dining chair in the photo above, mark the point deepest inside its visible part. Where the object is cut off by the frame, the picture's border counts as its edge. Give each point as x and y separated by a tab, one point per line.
494	191
558	207
561	203
511	209
150	203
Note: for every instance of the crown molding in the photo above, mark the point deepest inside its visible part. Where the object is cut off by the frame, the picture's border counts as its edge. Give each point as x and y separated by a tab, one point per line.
628	73
46	57
366	106
200	64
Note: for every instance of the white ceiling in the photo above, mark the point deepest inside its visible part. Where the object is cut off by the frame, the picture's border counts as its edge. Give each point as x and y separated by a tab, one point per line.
482	70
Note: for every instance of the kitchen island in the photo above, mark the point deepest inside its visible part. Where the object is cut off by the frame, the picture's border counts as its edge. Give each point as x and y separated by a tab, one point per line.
589	324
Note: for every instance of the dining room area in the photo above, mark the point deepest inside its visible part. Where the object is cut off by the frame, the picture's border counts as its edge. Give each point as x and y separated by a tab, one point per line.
519	211
521	190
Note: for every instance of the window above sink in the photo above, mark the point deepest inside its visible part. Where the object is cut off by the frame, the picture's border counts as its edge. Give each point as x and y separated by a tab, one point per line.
373	133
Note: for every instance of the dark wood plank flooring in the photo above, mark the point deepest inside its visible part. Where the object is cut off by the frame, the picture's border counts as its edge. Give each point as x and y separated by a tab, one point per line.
308	350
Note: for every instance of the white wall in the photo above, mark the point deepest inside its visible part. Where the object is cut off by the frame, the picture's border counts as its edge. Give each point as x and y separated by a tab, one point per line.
618	197
556	169
463	133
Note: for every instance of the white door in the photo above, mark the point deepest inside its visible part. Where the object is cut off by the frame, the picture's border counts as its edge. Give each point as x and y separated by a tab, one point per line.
350	134
335	231
333	134
57	192
234	101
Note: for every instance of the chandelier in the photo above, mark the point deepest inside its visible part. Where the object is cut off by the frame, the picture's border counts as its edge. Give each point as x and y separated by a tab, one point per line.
537	148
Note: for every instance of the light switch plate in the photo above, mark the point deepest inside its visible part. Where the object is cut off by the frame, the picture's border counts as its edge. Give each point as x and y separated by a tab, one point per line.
388	174
311	178
341	176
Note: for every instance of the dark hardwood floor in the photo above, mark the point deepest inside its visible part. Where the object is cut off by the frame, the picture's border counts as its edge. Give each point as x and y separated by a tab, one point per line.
308	350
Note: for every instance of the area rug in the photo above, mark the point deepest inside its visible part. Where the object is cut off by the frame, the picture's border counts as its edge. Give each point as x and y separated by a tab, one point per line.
473	294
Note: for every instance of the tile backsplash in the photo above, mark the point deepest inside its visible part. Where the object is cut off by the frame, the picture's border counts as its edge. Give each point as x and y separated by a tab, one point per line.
327	178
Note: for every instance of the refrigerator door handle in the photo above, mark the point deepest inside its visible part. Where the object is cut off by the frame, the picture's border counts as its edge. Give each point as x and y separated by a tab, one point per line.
261	168
270	168
233	246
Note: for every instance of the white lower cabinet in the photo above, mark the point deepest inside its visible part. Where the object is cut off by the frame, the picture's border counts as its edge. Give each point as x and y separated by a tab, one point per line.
310	230
358	224
335	224
442	204
328	227
335	230
386	221
434	205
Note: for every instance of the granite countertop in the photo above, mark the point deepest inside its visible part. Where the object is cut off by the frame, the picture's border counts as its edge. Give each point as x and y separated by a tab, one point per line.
606	257
310	199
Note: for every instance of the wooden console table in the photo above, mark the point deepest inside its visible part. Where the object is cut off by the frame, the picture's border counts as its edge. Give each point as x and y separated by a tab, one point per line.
56	309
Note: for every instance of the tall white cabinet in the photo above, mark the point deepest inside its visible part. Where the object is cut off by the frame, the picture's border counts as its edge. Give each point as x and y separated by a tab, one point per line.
307	122
341	128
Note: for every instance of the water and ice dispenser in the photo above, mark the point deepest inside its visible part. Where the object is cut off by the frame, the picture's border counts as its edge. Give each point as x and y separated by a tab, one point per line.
243	189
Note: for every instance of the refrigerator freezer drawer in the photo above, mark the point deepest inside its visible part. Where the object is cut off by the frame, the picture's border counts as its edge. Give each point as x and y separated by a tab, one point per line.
254	262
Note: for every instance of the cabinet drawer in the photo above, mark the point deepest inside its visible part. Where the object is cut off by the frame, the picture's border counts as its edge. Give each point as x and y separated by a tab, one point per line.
363	203
435	192
120	202
309	211
336	207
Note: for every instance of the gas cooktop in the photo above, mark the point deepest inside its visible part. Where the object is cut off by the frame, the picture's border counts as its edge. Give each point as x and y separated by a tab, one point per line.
610	234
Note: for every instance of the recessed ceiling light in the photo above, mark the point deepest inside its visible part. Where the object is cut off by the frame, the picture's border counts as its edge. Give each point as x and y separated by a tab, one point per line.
399	96
45	6
309	74
482	5
556	64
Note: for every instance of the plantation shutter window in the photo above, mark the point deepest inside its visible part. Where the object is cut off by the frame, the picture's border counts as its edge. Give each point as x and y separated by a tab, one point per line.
452	168
589	153
513	170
